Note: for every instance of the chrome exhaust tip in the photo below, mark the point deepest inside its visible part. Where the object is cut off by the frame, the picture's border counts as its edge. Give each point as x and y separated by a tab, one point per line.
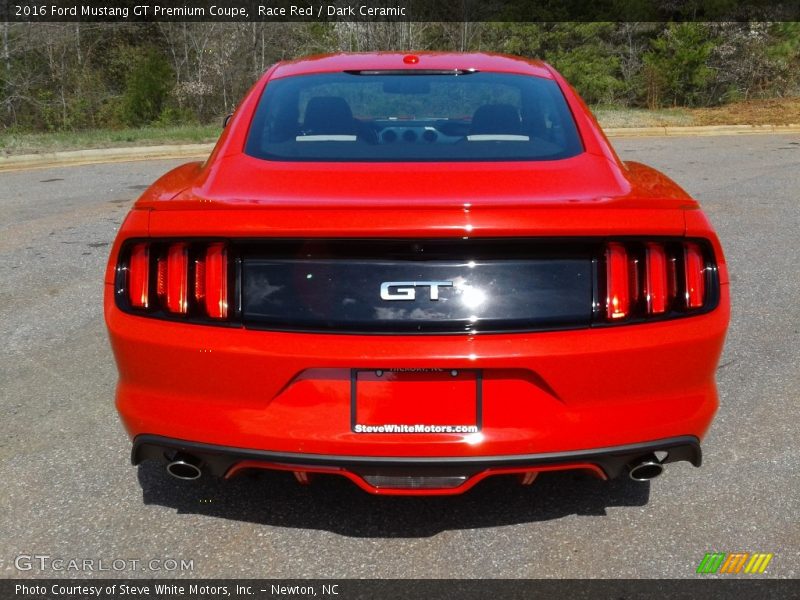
185	468
646	468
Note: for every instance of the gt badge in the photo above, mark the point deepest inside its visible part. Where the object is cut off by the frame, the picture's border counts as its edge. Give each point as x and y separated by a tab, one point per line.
407	290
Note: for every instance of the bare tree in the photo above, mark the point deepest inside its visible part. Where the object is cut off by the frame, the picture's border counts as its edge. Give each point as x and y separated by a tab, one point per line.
7	71
368	36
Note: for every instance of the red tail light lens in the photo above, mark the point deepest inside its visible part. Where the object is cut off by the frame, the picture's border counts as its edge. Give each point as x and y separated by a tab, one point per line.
655	284
646	279
161	279
672	276
200	280
178	278
216	281
139	276
695	272
617	282
634	273
190	278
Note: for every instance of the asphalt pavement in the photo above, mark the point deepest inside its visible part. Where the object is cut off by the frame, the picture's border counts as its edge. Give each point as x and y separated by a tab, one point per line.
68	491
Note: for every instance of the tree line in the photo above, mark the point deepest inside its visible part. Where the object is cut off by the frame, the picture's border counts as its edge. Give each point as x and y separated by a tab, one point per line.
63	76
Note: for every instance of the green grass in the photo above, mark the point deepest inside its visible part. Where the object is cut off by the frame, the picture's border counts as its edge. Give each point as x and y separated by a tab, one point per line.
639	117
15	142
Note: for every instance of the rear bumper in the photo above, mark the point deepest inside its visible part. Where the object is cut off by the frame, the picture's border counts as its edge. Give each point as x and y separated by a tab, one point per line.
543	392
374	474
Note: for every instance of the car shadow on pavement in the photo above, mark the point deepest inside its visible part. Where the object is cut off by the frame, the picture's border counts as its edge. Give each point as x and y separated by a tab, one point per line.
334	504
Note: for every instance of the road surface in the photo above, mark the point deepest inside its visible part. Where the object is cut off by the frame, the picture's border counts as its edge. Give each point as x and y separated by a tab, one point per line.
68	490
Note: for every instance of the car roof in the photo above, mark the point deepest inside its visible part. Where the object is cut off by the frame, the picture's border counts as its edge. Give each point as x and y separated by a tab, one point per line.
348	61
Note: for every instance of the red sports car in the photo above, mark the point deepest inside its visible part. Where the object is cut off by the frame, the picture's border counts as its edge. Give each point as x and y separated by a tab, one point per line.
416	271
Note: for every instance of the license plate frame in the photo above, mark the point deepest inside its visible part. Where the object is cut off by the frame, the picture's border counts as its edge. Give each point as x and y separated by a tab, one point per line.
472	404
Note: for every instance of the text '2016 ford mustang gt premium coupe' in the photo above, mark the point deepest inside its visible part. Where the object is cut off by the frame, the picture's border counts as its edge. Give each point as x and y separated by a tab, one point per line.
416	271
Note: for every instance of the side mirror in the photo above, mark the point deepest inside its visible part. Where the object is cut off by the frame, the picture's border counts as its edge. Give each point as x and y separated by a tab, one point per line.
225	120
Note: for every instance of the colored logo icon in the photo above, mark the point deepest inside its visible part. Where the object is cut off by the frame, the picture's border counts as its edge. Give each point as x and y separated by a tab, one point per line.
734	562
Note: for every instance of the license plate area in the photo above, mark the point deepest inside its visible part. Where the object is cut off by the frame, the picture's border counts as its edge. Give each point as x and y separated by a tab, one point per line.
416	400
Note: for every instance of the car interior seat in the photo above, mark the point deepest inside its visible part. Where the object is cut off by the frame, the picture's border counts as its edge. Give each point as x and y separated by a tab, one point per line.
329	115
500	119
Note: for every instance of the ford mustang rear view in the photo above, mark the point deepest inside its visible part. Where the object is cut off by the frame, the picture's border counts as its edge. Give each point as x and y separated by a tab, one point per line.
416	272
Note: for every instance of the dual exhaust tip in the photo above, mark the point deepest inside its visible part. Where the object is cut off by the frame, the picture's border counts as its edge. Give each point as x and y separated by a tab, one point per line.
185	467
188	468
646	468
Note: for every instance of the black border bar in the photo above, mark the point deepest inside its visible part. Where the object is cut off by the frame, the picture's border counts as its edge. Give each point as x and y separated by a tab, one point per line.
321	11
726	587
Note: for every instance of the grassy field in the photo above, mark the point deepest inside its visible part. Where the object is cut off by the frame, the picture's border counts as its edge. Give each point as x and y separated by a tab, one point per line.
776	111
754	112
640	117
12	142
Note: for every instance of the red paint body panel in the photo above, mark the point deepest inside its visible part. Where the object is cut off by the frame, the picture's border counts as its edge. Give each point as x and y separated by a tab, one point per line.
543	392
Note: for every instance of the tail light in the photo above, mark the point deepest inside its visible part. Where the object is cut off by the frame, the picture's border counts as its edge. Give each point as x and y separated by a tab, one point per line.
655	278
138	283
694	270
215	272
618	282
178	278
655	283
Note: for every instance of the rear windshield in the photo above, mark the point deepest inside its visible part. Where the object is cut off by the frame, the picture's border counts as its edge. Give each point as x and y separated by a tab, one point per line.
380	116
